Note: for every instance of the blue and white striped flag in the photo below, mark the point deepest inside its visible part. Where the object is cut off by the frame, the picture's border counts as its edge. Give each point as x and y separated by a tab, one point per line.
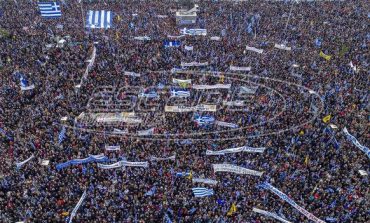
174	43
202	192
99	19
180	93
62	135
50	9
203	120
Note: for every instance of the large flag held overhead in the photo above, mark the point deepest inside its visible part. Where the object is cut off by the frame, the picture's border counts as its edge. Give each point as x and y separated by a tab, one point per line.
50	9
202	192
204	120
99	19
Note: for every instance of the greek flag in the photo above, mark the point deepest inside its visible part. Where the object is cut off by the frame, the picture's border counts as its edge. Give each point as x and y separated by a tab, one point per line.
203	120
99	19
182	174
318	42
62	135
151	192
174	43
148	95
50	9
180	94
24	83
202	192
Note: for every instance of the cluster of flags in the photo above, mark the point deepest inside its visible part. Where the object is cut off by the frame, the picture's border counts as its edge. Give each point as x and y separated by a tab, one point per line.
95	19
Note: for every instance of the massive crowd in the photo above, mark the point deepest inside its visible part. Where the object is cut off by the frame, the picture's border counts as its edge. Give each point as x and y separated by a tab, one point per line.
304	163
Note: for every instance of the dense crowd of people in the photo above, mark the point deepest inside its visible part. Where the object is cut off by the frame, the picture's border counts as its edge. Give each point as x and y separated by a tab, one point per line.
318	169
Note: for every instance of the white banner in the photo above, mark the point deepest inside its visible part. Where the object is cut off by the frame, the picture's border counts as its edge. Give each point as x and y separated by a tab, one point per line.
235	169
254	49
189	48
112	148
153	158
110	166
20	164
235	68
194	64
356	142
133	74
236	150
162	16
175	70
215	86
216	38
135	164
123	164
282	47
142	38
205	181
182	108
179	81
116	117
226	124
269	214
291	202
146	132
